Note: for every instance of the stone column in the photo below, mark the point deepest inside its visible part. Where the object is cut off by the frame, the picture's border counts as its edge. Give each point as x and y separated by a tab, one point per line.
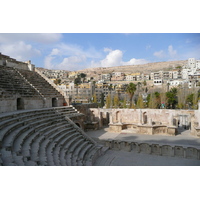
111	118
140	116
150	122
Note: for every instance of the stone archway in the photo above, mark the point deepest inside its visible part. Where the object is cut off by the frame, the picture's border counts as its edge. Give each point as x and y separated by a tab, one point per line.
117	117
78	124
20	104
144	118
54	102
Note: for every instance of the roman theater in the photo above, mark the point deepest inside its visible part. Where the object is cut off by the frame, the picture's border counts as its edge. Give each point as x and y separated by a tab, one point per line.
40	127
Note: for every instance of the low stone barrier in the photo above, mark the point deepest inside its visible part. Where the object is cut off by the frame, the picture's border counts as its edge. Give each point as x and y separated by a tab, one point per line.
117	145
192	153
126	146
167	150
145	148
154	149
178	151
135	147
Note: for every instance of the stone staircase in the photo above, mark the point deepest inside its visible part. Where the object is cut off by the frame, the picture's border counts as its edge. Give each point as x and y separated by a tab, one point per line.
12	84
41	85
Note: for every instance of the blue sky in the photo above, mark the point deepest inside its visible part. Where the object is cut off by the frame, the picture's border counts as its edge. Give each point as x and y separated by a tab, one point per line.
75	51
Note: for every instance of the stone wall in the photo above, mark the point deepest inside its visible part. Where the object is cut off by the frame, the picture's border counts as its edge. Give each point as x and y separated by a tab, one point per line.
150	121
10	104
11	62
155	149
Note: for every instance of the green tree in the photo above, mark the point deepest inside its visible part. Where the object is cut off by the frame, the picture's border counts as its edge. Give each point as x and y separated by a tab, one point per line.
82	76
124	102
94	98
116	101
77	81
108	101
140	103
131	88
152	101
172	98
163	100
157	99
102	100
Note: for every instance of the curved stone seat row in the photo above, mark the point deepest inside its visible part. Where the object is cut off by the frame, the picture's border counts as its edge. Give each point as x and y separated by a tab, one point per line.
45	137
155	149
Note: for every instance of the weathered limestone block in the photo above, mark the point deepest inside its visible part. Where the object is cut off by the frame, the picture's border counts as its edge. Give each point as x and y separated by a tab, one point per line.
126	146
155	149
159	130
109	143
145	148
116	145
197	131
167	150
178	151
116	128
147	130
135	147
192	153
172	130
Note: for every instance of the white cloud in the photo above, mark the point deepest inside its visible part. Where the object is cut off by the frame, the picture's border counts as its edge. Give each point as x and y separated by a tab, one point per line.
19	50
24	46
171	51
48	62
72	55
115	58
71	63
54	52
135	61
76	50
159	54
107	49
43	38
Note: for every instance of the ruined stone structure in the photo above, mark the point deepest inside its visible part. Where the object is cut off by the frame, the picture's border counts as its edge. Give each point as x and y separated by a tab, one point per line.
36	126
36	129
148	121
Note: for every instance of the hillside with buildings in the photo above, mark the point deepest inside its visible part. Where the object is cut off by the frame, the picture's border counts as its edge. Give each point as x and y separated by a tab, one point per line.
128	69
97	83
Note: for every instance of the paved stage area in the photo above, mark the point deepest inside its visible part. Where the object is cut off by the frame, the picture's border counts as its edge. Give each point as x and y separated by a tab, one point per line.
184	138
123	158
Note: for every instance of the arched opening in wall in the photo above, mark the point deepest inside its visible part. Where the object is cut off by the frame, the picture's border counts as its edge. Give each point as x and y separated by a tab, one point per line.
54	102
107	118
20	104
117	117
78	125
174	122
145	118
92	117
4	62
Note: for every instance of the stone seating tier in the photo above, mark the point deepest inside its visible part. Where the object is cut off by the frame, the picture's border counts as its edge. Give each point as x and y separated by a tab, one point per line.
44	137
12	83
40	83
